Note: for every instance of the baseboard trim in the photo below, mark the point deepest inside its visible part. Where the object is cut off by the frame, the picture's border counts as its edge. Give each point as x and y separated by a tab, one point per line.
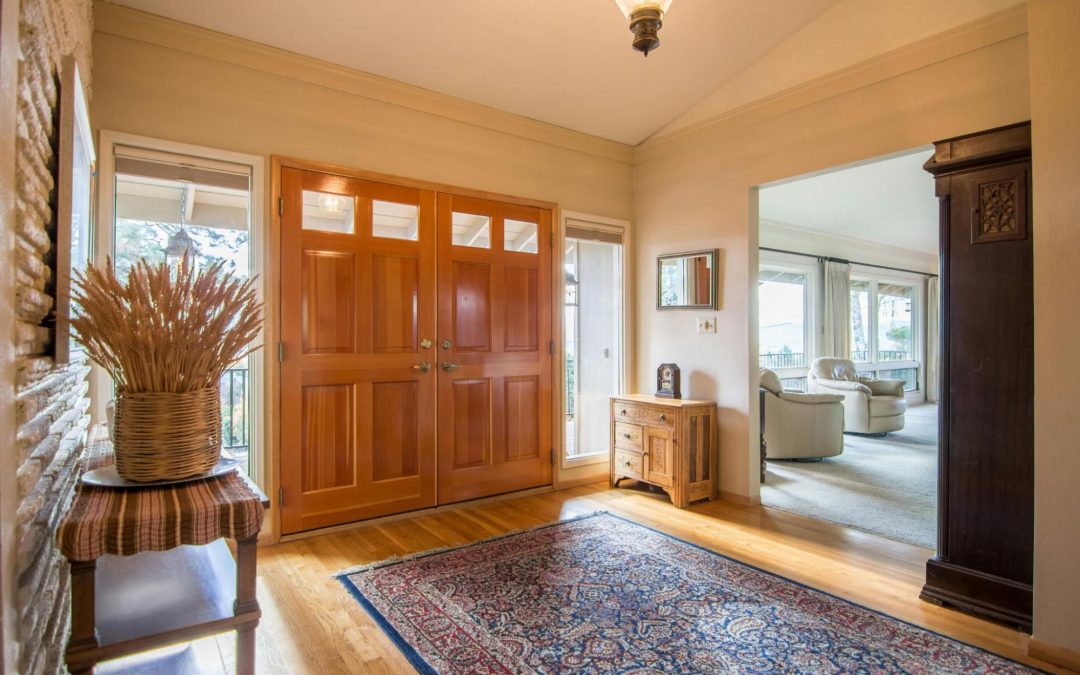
741	500
978	593
1055	654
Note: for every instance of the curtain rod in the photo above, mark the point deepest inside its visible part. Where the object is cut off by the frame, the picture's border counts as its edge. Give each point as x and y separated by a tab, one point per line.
822	258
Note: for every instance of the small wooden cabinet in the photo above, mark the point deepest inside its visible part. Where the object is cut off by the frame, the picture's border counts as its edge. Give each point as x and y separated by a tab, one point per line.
670	443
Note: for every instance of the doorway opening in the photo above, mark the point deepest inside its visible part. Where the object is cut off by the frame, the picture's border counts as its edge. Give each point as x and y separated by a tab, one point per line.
848	332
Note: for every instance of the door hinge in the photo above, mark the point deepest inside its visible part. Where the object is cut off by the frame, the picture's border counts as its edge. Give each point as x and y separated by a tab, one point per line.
281	498
553	456
280	351
281	206
551	347
552	241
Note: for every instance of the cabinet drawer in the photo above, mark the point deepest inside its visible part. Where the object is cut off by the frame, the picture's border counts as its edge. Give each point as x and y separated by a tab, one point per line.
645	415
627	464
628	436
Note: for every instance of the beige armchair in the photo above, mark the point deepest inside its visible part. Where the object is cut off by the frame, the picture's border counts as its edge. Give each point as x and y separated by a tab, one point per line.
801	426
870	406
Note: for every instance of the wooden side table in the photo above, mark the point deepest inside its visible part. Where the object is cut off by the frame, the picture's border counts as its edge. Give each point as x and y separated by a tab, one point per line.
150	567
669	443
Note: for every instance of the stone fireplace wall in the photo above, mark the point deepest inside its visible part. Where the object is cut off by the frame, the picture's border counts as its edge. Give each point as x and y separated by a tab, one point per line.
51	400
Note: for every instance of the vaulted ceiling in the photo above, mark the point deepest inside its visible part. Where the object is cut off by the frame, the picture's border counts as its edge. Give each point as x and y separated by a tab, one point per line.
565	62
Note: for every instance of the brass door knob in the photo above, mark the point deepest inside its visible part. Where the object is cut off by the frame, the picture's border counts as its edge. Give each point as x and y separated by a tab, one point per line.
447	344
448	367
423	366
425	344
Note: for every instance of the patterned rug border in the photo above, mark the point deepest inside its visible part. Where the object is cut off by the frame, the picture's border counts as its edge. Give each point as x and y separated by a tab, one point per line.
423	667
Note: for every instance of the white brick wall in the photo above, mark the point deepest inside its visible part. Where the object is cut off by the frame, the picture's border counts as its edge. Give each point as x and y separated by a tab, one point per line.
51	401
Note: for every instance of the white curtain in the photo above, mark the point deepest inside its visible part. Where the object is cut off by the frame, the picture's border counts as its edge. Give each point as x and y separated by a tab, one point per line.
933	338
836	340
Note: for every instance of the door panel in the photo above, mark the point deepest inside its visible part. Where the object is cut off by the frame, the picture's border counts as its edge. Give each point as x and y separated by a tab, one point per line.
472	306
328	302
471	403
357	434
395	291
522	304
327	440
495	366
659	456
369	271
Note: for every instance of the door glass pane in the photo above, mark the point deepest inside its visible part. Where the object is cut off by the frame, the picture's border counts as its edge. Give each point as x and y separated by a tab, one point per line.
860	321
471	230
593	326
157	219
394	221
781	319
519	236
329	212
894	322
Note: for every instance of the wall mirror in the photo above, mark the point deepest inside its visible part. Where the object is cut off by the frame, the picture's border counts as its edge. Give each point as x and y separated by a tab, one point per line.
686	280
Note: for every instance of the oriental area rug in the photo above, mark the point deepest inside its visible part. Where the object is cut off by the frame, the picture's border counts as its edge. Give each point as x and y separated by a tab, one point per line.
601	594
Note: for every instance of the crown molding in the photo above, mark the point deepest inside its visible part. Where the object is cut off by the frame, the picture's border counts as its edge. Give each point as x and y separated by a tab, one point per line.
990	30
132	24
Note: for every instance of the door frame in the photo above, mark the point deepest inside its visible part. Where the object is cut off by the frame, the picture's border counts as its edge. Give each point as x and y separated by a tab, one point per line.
572	472
273	286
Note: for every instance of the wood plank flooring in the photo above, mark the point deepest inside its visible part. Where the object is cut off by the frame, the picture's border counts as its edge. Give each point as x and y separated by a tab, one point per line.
312	625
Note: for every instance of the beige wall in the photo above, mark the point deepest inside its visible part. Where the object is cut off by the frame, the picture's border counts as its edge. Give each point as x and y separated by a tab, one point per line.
159	78
1055	116
695	189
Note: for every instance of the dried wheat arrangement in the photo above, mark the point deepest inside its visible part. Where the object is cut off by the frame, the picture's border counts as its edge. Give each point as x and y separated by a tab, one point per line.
165	330
166	336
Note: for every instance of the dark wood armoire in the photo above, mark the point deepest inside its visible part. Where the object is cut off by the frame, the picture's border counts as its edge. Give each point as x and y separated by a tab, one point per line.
986	463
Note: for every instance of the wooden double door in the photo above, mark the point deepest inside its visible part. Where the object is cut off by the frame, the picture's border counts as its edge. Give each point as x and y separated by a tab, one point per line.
416	361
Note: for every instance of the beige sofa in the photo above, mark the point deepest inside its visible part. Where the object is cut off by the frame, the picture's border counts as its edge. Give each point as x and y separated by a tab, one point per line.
871	406
801	426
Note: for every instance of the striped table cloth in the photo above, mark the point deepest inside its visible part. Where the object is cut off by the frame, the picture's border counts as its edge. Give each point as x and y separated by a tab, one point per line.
129	521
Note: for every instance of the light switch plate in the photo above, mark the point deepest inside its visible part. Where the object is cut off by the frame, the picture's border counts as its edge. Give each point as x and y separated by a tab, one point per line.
706	324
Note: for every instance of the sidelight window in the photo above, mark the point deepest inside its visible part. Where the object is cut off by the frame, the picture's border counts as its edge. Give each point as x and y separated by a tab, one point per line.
593	327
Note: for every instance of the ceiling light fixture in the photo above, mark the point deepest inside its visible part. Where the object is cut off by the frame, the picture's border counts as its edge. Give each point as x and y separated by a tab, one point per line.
646	17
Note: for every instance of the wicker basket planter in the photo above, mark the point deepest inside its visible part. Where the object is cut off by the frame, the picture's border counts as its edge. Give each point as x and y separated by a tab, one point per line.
162	436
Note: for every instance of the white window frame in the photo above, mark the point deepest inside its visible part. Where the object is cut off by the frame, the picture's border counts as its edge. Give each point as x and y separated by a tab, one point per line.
258	252
621	228
812	325
876	277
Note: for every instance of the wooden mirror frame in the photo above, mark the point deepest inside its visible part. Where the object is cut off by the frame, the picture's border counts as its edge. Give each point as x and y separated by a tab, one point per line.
713	255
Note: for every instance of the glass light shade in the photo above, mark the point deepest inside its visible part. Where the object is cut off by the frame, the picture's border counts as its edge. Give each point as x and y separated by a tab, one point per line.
628	6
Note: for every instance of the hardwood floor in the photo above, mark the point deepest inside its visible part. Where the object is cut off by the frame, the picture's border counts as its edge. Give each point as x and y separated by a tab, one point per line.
312	625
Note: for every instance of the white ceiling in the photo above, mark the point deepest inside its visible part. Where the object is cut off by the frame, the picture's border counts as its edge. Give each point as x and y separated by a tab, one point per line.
887	202
565	62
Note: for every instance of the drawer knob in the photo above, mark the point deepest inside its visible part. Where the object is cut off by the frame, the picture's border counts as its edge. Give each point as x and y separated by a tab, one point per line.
623	412
663	418
627	436
628	463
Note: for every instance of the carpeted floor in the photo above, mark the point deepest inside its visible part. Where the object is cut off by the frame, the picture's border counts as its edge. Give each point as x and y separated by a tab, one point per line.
885	486
602	594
